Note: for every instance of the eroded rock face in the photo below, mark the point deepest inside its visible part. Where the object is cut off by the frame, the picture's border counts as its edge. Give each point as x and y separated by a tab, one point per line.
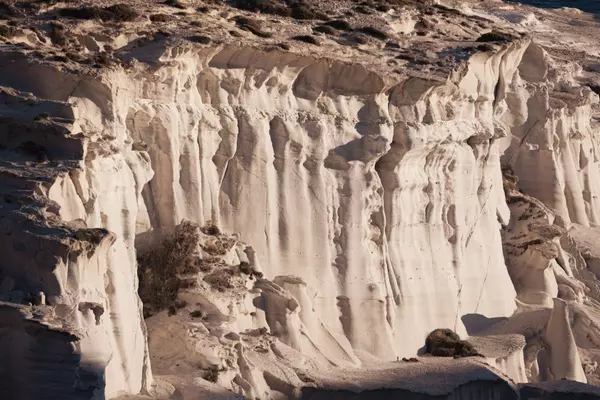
373	203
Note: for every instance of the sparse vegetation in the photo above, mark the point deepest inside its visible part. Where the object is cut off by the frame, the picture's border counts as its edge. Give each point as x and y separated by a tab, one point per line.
30	148
263	6
211	374
42	117
358	38
176	4
253	26
211	229
339	24
202	39
295	9
495	36
161	268
245	268
221	279
302	11
374	32
160	18
307	39
117	12
58	34
446	343
7	31
328	30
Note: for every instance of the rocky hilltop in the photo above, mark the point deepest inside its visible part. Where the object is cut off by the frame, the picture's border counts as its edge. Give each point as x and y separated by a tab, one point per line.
267	200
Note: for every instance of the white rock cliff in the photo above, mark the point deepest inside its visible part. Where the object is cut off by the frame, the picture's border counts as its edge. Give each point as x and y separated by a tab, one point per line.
378	206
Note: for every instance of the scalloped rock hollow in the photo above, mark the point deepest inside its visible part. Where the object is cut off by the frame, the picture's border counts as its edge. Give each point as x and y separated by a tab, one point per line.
329	182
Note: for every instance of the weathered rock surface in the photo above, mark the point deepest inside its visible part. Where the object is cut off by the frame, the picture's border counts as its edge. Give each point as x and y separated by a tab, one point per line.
439	172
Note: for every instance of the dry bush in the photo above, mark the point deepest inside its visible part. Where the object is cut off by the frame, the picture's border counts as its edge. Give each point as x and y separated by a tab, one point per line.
117	12
245	268
295	9
211	374
307	39
254	27
160	18
273	7
212	229
339	24
160	268
58	34
374	32
201	39
325	29
446	343
176	4
221	279
7	31
496	36
42	117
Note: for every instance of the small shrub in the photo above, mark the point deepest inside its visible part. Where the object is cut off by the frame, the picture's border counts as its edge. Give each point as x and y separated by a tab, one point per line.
160	18
325	29
122	12
197	314
302	11
58	34
202	39
273	7
363	10
392	45
30	148
161	267
339	24
220	279
7	31
211	229
412	359
117	12
495	36
307	39
42	117
374	32
245	268
211	375
446	343
175	3
252	26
